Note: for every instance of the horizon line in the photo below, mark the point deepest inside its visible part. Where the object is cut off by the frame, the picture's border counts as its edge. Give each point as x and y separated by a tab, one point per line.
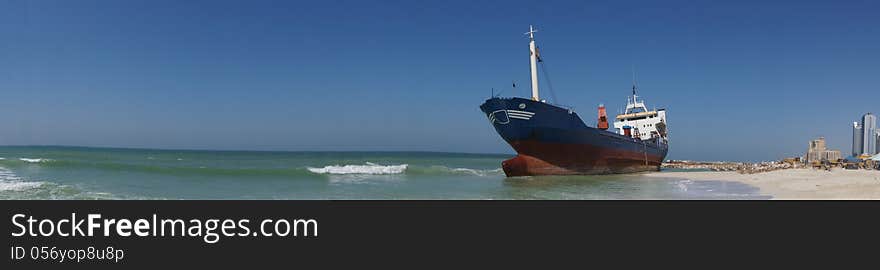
244	150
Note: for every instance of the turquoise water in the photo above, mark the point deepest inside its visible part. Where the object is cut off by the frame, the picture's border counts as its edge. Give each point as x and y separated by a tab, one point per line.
106	173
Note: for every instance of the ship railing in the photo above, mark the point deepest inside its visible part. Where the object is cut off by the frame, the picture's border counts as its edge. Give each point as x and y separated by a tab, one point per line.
568	107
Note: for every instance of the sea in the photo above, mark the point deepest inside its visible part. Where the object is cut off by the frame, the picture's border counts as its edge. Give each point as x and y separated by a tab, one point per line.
81	173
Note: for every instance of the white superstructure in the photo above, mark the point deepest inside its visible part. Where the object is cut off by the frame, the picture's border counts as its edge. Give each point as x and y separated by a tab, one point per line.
643	123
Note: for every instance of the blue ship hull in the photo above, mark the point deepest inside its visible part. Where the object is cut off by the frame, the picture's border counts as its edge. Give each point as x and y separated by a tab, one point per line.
551	140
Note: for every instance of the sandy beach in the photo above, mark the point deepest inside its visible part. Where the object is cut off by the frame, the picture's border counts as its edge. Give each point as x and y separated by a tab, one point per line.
797	184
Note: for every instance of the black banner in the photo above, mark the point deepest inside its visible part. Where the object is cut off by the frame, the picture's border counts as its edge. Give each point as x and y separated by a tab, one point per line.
421	233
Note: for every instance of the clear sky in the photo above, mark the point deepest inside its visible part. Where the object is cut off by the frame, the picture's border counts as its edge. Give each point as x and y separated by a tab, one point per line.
741	81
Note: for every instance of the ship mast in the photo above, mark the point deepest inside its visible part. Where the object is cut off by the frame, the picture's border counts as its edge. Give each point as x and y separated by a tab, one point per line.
634	84
533	58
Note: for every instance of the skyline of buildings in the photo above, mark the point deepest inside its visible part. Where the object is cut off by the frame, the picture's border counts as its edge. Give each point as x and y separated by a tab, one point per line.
866	136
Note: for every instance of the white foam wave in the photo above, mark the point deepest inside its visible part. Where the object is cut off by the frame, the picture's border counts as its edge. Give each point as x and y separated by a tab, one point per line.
477	172
8	176
13	187
18	186
34	160
11	182
369	168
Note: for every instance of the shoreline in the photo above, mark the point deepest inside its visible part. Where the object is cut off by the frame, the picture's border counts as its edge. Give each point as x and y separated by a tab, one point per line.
797	184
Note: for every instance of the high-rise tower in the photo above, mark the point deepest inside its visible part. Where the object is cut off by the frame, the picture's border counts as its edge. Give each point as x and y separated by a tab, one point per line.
857	139
869	127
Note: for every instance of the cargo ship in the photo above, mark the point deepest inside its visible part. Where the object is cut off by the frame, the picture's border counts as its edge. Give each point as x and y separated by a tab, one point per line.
550	139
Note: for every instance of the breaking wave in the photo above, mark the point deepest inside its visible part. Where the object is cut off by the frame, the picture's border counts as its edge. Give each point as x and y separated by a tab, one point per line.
7	175
477	172
13	187
18	185
443	170
11	182
35	160
368	168
375	169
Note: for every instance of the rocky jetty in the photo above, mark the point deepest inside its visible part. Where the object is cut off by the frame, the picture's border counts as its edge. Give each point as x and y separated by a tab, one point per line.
741	167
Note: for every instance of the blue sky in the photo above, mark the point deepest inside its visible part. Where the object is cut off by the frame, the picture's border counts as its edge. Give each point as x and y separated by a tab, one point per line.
741	80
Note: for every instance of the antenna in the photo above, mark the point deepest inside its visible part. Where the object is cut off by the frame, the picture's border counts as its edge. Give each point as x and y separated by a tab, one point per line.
531	32
634	87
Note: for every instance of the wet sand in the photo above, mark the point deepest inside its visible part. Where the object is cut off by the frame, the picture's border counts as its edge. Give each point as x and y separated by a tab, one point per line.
799	184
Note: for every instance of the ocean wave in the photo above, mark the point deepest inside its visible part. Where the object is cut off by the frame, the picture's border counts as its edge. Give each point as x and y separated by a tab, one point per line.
344	168
7	175
11	182
443	170
35	160
25	190
477	172
162	169
18	185
368	168
28	190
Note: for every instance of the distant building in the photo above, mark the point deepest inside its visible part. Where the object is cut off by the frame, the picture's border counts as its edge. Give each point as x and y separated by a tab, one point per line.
866	136
831	155
857	139
877	141
818	152
869	131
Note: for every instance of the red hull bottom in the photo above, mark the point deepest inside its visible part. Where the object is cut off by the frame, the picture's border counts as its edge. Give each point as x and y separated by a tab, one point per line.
542	158
524	165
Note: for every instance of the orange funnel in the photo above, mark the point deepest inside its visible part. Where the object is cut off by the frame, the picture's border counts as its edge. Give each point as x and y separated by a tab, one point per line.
603	118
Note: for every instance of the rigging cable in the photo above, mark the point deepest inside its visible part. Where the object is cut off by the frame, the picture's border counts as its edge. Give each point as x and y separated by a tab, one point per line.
549	84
